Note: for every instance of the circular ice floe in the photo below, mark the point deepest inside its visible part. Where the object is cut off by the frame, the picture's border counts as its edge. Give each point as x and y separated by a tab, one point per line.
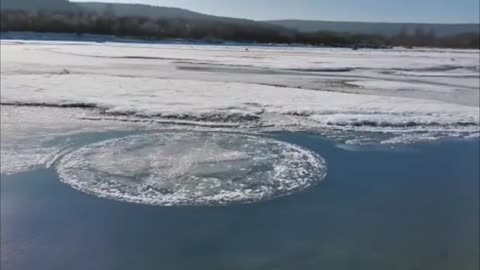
191	168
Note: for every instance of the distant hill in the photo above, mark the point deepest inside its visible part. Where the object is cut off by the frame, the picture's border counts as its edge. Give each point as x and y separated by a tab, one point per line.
121	20
34	5
374	28
120	10
115	9
162	23
141	10
156	12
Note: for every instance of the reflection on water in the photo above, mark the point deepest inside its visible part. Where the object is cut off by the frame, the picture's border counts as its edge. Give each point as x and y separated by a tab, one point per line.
375	210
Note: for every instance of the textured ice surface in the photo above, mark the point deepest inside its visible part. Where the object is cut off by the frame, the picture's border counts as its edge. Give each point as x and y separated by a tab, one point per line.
33	137
249	105
191	168
60	89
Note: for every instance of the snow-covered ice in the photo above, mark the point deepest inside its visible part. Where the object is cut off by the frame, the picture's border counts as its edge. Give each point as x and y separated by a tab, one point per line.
54	90
279	87
248	104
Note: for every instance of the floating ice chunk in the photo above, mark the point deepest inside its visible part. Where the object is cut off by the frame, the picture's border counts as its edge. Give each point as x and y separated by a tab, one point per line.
191	168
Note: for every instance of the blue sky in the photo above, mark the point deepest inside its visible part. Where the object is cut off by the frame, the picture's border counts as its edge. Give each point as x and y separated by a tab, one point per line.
438	11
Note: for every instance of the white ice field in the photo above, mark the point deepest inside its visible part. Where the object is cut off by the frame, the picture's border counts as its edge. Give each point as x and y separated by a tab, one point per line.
52	91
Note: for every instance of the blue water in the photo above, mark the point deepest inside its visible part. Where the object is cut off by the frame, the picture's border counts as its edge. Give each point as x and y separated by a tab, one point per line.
414	208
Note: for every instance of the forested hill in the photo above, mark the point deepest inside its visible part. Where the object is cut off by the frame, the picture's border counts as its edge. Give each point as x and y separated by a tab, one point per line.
377	28
155	12
149	22
35	5
123	10
141	10
115	9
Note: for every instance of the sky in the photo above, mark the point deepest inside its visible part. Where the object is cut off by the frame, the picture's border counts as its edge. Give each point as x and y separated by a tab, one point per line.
427	11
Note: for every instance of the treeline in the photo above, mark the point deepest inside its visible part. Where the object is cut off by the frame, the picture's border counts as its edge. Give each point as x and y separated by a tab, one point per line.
421	38
141	27
206	30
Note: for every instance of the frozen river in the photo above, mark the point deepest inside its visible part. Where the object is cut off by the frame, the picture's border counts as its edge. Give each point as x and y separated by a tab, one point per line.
340	157
353	97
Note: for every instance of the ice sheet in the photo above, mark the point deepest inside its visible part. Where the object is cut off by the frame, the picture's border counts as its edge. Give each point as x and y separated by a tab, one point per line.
409	95
247	104
182	124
